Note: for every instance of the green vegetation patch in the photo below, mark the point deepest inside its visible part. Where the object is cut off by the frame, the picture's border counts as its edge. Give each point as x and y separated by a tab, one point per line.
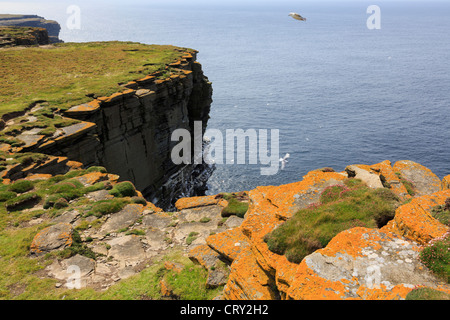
69	74
17	32
104	207
237	204
436	256
442	212
425	293
409	185
21	186
24	201
342	207
123	189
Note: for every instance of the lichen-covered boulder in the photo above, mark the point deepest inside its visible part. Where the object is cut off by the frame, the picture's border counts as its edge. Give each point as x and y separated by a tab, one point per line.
424	180
414	220
361	263
56	237
372	180
194	202
445	183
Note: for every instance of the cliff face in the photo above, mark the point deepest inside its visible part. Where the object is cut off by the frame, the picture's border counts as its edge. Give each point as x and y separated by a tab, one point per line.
53	28
129	133
23	36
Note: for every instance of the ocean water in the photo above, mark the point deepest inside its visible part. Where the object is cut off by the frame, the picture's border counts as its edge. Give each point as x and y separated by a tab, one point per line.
338	92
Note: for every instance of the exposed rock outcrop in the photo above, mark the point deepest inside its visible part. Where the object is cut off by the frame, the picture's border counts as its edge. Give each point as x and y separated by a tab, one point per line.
358	263
23	36
53	28
56	237
129	132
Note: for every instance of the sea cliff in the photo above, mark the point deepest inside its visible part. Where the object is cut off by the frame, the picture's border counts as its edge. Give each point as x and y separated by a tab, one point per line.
127	132
372	231
18	20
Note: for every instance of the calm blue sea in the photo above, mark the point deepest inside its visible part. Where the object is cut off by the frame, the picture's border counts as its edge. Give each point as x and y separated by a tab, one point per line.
338	92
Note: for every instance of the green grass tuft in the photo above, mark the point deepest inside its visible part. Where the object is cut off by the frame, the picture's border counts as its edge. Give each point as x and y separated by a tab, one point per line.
237	204
104	207
436	256
427	294
123	189
21	186
342	208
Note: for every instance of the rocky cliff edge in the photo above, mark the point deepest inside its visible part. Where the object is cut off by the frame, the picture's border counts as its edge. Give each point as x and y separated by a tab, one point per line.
106	229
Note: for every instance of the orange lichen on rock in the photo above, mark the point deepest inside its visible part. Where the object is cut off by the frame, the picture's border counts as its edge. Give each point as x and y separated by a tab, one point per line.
269	207
176	267
74	165
203	255
55	237
310	286
386	172
424	180
92	178
360	263
382	293
91	106
230	243
247	281
38	176
445	183
414	221
187	203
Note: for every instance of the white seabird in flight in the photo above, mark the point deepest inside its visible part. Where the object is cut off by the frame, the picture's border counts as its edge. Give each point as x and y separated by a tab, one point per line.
296	16
284	161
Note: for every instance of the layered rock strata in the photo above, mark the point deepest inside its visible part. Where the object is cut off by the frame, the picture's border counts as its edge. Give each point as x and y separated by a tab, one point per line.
129	132
53	28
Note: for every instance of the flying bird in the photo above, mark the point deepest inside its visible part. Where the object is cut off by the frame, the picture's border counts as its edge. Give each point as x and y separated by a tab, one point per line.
296	16
284	160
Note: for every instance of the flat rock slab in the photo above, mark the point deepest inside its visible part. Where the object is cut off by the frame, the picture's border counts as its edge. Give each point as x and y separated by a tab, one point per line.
382	265
56	237
371	179
122	219
425	182
194	202
30	139
156	221
183	231
156	239
99	195
67	217
233	222
212	212
128	250
75	271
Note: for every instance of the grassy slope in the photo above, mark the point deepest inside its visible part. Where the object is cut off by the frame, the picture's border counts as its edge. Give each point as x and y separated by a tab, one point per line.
64	74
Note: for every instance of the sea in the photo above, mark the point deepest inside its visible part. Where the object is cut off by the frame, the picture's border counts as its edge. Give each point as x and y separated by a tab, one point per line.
351	84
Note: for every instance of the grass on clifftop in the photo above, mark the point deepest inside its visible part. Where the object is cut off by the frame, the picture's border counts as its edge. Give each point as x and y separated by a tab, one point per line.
340	208
70	74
